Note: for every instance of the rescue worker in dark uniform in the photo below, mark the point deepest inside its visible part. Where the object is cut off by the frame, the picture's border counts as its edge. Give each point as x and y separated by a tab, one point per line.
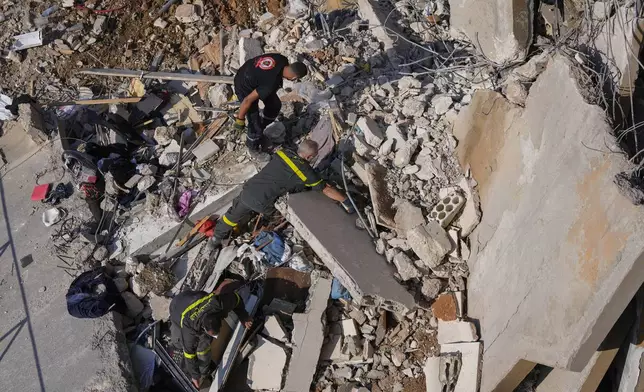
287	172
259	79
196	318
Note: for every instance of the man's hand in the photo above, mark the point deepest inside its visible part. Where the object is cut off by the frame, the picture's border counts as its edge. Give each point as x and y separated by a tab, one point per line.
196	383
240	125
348	206
248	324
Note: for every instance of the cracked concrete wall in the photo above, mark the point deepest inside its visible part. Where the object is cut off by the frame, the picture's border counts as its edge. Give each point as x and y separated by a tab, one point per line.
559	252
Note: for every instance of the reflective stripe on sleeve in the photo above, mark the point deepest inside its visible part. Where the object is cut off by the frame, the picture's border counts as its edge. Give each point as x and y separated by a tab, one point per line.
314	184
189	356
290	164
228	221
194	305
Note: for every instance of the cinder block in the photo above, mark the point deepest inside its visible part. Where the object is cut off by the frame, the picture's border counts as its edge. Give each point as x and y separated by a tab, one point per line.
447	208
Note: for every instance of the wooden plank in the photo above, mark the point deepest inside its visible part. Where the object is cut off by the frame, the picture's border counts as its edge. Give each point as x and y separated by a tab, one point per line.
125	73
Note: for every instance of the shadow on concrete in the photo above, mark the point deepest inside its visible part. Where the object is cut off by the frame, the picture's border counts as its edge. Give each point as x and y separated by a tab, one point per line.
16	266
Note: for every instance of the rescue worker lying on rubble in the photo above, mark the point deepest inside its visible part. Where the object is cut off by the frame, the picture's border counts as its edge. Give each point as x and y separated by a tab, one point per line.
196	318
258	79
287	172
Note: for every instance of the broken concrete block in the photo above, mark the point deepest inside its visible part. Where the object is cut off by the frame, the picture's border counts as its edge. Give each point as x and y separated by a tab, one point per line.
205	150
160	307
405	267
347	251
249	48
445	307
361	145
442	103
99	24
404	154
516	92
386	147
502	29
133	304
413	107
358	316
408	82
469	377
187	13
471	215
456	332
31	119
447	208
431	287
308	337
266	365
332	350
145	183
164	135
407	217
273	328
372	132
432	374
602	10
394	133
380	197
121	284
529	71
219	95
349	328
160	23
430	242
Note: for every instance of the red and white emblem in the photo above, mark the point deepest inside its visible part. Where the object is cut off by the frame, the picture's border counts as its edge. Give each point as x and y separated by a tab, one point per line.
265	63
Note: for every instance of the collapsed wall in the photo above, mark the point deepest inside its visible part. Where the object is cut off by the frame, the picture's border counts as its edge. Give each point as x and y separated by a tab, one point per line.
558	253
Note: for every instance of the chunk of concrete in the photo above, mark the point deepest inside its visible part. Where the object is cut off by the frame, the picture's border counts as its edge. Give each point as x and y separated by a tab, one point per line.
394	133
133	304
407	217
471	215
164	135
405	267
469	377
308	337
273	328
349	328
249	48
432	374
347	251
160	307
187	13
381	17
576	262
380	197
404	154
205	150
266	365
219	95
31	119
456	332
372	132
501	29
430	242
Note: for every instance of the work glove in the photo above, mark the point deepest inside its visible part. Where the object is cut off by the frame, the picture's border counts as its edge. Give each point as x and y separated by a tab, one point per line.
240	125
348	206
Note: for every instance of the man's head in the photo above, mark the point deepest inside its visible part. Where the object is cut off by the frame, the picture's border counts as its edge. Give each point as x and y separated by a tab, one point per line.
308	150
212	324
295	71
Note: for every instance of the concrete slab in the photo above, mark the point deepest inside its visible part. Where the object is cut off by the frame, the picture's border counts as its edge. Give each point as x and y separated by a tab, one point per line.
308	337
347	251
265	366
380	197
274	329
470	374
151	233
370	11
558	253
501	29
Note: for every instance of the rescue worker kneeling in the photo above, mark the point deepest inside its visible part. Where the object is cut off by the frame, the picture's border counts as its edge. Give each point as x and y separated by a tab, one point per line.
196	318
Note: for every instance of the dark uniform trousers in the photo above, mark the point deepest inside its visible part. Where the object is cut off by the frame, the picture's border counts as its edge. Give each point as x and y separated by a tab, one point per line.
257	121
204	356
237	213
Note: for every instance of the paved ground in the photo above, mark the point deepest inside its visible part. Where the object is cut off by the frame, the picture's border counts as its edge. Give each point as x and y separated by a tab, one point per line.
42	348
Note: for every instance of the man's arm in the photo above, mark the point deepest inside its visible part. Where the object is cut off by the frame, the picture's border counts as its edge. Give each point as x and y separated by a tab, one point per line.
334	194
246	104
234	302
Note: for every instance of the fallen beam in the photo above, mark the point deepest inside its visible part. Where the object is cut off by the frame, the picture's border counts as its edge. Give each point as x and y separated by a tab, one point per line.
346	250
185	77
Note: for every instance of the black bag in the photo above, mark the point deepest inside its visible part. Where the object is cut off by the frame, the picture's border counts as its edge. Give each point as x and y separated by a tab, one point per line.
86	298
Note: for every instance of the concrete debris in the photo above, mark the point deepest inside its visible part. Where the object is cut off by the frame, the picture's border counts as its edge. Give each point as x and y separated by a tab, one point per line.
273	328
160	307
432	374
248	49
265	366
442	103
394	134
187	13
469	376
380	197
133	304
164	135
219	95
430	242
516	92
407	217
206	150
471	215
405	267
431	288
372	132
456	332
404	154
445	307
447	208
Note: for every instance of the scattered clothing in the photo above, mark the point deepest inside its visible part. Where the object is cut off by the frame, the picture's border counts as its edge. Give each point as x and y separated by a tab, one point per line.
93	294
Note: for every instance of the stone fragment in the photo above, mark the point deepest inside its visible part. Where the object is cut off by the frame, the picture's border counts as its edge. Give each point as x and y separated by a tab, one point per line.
133	304
442	103
407	82
160	23
516	92
372	132
187	13
386	147
376	375
248	49
397	357
349	328
273	328
344	372
602	10
432	374
431	287
394	133
219	95
358	316
137	288
430	242
471	214
407	217
145	183
456	332
160	306
411	169
529	71
404	154
100	253
405	267
380	196
361	146
445	307
205	150
121	284
266	365
164	135
413	107
31	119
99	24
